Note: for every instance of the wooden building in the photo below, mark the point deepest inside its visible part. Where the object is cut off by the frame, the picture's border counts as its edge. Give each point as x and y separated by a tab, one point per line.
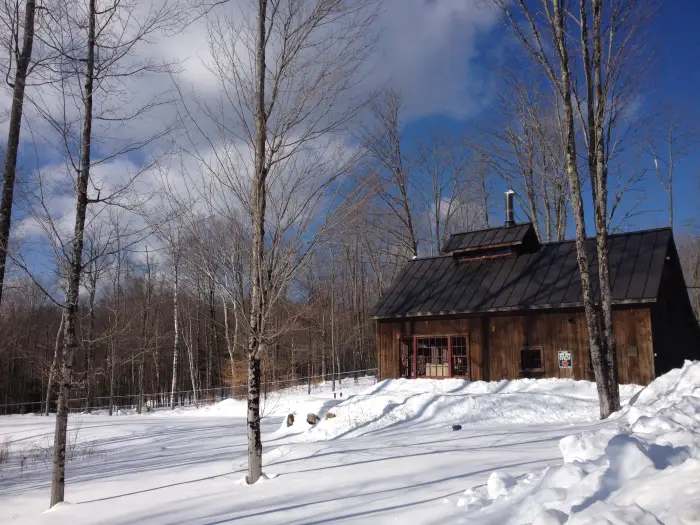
498	304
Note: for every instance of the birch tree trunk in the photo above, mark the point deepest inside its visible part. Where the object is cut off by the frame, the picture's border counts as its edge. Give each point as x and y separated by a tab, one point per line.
13	136
70	343
605	368
89	350
189	344
176	334
609	347
577	203
230	342
532	39
54	365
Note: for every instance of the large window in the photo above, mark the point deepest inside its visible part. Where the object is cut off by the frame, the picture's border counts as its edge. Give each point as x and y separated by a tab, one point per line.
460	356
434	356
406	355
431	354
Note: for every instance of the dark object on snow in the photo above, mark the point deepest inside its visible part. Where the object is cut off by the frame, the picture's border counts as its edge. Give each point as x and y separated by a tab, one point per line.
290	420
329	415
312	419
456	427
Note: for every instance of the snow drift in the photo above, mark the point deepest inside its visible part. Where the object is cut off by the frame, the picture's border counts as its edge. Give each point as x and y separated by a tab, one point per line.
294	400
444	402
644	469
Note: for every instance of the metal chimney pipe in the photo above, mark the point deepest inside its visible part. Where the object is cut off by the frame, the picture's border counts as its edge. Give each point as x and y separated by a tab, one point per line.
510	214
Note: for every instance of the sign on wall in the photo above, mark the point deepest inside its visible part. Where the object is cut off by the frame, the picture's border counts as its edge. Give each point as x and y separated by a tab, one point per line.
564	358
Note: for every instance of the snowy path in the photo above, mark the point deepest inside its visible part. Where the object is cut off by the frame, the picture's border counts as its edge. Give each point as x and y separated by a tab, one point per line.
169	469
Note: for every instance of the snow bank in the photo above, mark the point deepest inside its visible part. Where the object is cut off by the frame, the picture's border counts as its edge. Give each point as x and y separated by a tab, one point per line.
444	402
643	470
295	400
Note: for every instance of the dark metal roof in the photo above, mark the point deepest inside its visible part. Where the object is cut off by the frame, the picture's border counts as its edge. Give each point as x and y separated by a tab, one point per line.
546	278
492	237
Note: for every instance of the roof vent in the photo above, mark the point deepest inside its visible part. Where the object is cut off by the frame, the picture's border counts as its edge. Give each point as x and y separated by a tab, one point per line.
510	219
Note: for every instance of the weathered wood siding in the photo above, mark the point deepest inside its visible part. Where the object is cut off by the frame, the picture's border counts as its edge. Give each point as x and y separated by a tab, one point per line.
495	343
390	332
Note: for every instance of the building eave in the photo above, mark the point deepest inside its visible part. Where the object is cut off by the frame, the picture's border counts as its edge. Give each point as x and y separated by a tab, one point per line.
509	309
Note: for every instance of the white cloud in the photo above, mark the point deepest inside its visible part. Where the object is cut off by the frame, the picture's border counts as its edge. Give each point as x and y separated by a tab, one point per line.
427	50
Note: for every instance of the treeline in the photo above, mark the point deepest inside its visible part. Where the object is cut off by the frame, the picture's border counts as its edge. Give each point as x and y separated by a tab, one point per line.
127	332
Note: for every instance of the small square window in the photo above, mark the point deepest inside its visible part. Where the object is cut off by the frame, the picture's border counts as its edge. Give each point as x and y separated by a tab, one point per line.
531	360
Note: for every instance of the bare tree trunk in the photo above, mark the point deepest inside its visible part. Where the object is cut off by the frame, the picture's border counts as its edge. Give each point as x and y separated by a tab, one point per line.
254	438
189	344
156	346
117	308
54	364
577	205
333	351
556	22
323	348
609	347
231	342
258	205
176	334
144	332
112	368
89	350
213	347
384	145
58	479
13	136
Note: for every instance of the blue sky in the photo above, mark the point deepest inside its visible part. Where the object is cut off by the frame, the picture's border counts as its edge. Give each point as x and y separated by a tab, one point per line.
677	73
674	75
444	55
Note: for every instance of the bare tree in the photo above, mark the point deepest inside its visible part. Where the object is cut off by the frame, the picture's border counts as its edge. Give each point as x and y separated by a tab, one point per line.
54	366
670	142
524	148
383	143
289	74
22	57
441	164
551	25
86	76
176	256
481	178
146	327
613	58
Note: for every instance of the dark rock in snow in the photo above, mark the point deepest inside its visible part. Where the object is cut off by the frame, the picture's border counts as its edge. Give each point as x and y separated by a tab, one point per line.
312	419
456	427
330	415
290	420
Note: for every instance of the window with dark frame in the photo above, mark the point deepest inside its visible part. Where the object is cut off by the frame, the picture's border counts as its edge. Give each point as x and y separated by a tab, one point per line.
431	355
406	356
460	356
531	361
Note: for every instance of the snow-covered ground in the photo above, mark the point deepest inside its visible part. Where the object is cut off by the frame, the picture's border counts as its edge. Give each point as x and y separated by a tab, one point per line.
528	452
